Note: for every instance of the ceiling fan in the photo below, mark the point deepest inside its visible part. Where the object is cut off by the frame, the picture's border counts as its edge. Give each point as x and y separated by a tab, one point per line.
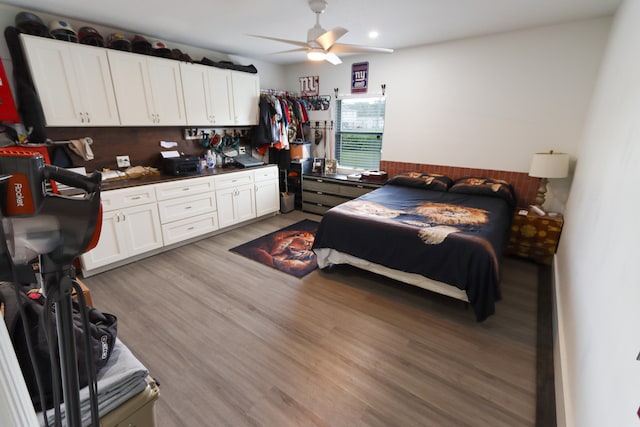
321	44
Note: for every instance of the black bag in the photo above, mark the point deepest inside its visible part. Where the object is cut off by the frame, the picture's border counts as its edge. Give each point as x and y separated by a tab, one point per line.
103	330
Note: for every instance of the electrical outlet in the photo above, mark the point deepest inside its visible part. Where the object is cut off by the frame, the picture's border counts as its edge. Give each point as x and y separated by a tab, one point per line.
243	150
123	161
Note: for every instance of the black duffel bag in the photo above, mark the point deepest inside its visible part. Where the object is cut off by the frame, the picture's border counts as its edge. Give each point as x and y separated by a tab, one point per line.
103	329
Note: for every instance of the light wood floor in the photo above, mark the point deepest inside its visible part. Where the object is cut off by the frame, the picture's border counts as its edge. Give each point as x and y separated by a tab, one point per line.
236	343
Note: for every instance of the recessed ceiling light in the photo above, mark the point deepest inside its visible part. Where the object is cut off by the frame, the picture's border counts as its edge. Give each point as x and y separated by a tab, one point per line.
373	34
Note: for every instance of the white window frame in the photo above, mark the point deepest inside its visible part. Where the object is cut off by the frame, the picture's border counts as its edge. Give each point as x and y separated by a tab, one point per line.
356	162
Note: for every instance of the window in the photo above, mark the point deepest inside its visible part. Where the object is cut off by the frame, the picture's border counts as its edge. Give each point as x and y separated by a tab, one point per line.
360	123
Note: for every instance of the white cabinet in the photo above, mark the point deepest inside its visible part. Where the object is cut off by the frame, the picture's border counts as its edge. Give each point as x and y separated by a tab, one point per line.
207	95
148	90
267	190
187	208
246	95
73	82
235	198
130	227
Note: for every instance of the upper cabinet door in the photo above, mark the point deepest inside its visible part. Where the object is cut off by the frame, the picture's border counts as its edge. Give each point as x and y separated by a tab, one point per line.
148	90
95	85
73	82
195	87
166	88
246	94
131	84
221	96
207	95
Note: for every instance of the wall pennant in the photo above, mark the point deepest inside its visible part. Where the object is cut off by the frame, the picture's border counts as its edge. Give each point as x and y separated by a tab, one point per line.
359	77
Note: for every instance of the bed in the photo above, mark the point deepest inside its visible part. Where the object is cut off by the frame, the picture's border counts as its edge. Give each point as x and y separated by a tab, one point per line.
426	230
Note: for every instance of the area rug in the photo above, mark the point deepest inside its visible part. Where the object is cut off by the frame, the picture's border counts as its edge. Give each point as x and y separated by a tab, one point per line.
287	250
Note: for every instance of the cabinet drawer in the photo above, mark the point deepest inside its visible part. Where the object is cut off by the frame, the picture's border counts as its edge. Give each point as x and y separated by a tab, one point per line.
315	208
233	179
355	190
188	228
127	197
320	197
265	174
184	187
185	207
317	184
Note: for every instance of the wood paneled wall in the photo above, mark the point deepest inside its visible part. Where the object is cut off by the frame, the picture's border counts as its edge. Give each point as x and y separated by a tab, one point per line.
141	144
524	186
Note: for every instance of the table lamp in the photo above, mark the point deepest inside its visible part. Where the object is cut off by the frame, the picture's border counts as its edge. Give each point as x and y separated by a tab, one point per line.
545	166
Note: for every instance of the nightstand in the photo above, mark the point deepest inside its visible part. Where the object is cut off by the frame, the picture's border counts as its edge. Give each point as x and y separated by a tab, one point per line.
534	236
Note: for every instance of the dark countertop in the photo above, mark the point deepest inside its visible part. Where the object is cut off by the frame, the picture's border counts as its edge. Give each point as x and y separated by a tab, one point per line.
162	177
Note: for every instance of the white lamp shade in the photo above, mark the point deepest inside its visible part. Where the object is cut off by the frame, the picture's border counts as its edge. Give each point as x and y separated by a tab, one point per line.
549	165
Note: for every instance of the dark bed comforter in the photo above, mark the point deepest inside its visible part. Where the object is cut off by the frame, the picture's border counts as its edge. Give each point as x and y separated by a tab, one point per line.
449	237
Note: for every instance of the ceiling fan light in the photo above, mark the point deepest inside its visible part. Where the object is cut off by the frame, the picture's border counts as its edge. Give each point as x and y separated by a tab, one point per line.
316	55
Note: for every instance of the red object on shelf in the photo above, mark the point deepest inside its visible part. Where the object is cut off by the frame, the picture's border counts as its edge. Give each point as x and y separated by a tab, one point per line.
8	111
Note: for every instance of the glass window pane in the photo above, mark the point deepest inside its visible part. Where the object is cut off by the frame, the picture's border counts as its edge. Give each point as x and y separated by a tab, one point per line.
360	123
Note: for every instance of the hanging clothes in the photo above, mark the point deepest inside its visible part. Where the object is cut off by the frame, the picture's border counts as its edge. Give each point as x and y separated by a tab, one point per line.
262	136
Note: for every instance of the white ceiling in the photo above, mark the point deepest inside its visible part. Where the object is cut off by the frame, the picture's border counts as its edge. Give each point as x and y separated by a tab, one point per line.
223	25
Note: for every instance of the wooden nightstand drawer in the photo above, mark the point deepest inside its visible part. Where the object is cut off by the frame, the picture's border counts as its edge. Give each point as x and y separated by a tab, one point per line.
534	237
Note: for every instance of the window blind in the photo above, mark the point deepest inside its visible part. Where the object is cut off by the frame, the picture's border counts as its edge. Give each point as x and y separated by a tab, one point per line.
359	130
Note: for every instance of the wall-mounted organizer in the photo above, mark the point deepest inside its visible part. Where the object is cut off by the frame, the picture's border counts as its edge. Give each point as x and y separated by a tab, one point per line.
318	102
198	133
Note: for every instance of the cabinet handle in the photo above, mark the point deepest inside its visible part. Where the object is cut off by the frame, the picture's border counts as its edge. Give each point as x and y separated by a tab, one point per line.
190	228
81	117
185	189
124	218
88	117
136	198
187	207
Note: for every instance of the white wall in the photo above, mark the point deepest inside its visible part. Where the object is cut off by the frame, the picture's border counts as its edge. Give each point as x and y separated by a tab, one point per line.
487	102
598	287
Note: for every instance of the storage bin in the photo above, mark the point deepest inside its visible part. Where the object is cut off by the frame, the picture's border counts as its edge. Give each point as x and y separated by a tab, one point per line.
287	202
300	150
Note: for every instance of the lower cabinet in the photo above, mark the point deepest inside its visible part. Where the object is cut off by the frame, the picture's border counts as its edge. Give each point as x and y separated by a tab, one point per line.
235	204
267	188
125	233
142	219
186	217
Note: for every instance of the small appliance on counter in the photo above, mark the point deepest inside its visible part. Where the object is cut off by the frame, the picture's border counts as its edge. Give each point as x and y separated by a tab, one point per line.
177	164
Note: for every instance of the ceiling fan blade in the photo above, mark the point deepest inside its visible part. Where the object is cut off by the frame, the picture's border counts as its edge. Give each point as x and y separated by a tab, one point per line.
300	49
333	58
293	42
327	39
352	48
